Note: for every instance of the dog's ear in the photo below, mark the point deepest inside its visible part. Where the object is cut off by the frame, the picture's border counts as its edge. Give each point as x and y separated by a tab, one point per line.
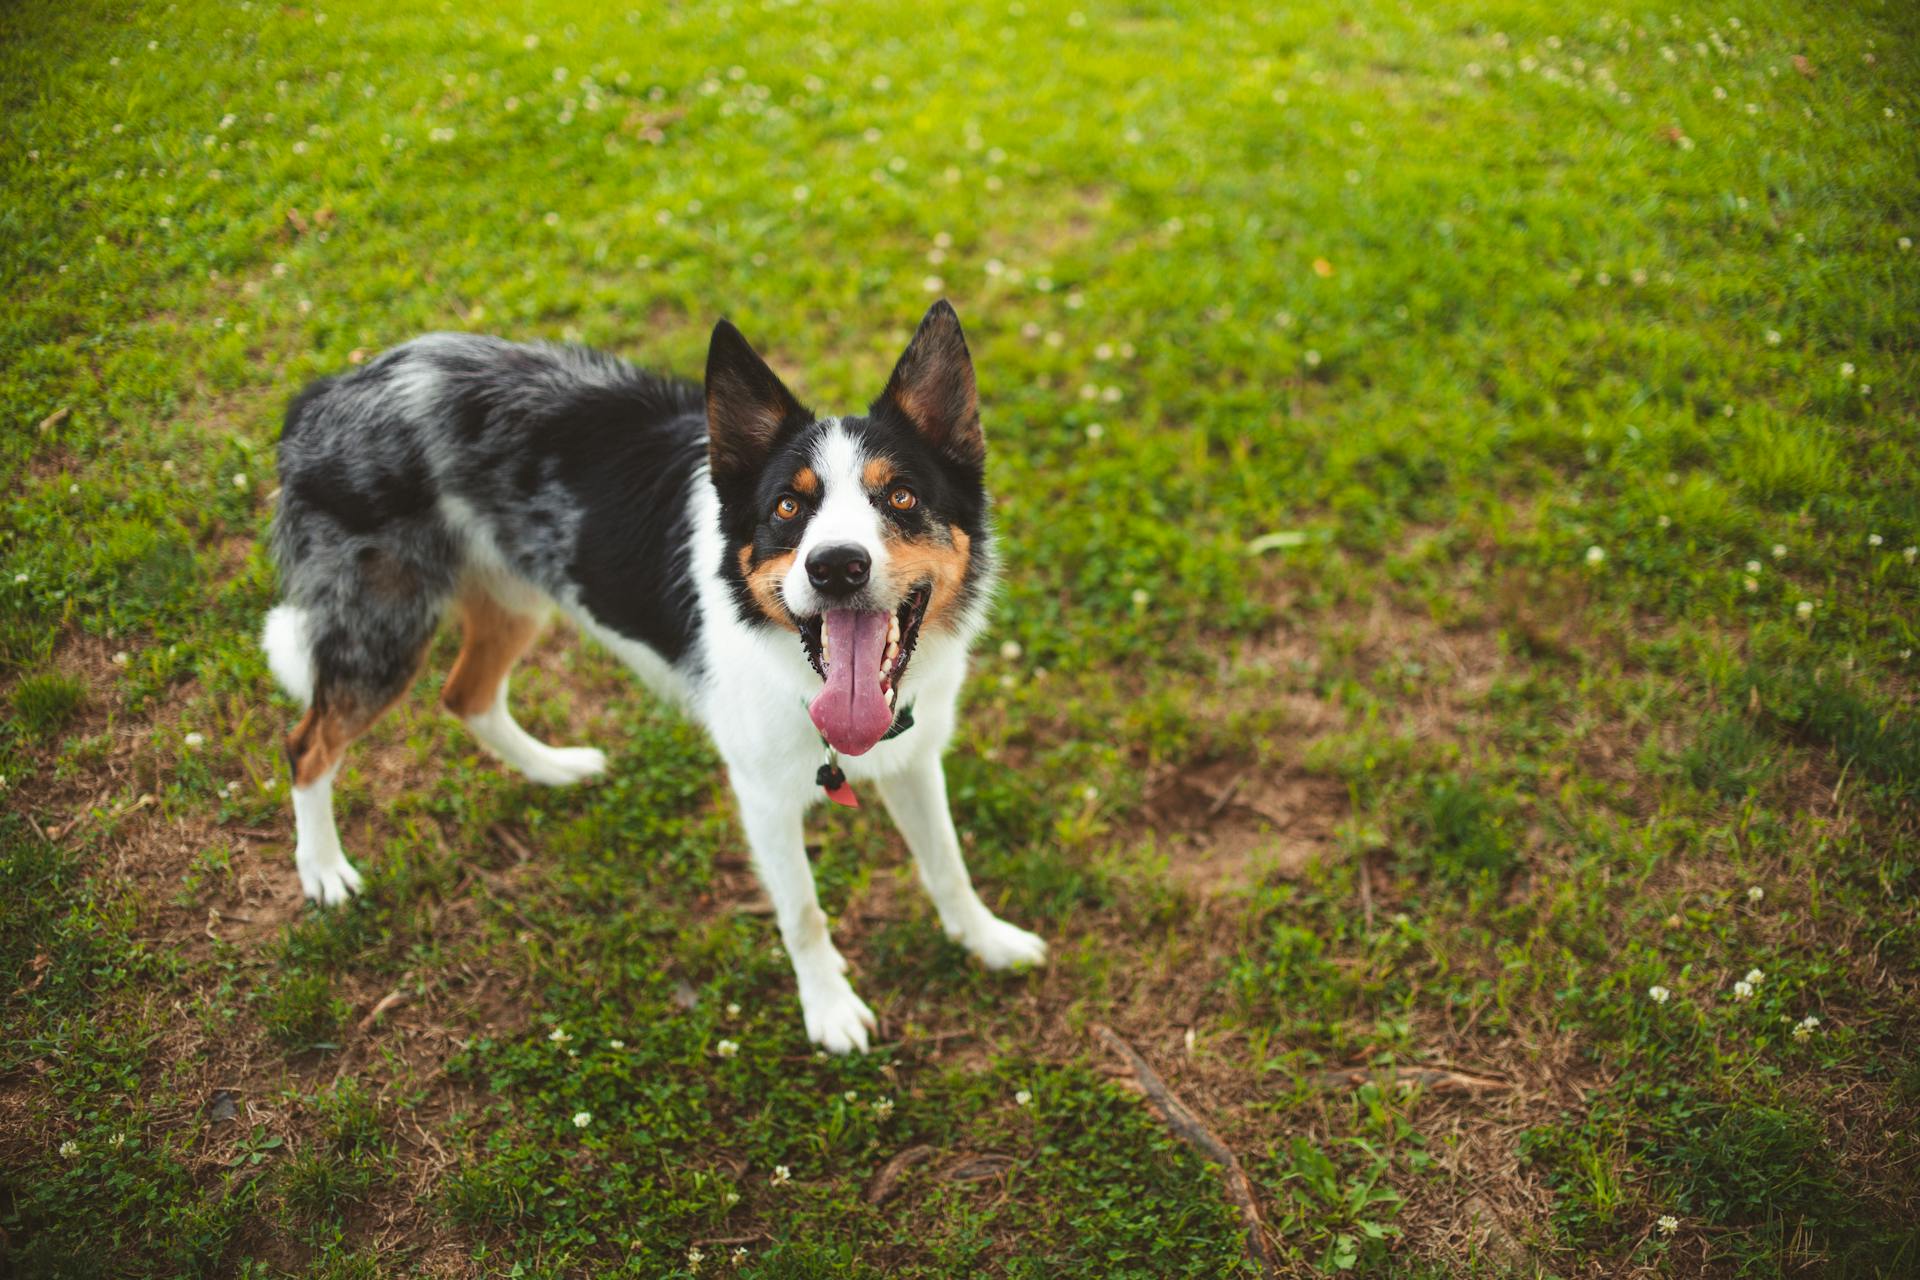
933	386
747	405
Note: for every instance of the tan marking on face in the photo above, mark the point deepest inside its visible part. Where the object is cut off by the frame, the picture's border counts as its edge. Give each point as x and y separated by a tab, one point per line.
493	638
806	481
941	559
877	474
763	583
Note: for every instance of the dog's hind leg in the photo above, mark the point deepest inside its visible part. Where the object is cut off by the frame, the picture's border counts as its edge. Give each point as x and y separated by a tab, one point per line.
342	710
347	642
494	637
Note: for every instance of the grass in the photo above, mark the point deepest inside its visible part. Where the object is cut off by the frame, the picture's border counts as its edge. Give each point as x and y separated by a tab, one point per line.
1458	487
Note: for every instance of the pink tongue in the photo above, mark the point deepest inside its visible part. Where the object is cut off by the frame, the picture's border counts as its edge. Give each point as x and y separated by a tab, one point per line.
851	713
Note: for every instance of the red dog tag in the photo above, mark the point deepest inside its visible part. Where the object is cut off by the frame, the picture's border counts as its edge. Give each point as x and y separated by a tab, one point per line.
830	780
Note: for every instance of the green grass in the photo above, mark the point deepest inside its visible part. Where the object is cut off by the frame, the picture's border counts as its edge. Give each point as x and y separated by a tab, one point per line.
1458	487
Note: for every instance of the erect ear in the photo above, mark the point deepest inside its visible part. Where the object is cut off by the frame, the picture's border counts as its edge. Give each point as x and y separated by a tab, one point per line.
933	386
747	405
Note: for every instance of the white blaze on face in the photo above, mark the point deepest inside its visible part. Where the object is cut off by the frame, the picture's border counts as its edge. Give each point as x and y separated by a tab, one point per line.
845	516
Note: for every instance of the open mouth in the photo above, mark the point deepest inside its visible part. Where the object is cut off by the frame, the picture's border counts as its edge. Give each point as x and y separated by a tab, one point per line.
861	654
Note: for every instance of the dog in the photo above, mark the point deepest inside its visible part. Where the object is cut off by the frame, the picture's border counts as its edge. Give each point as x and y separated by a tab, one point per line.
806	587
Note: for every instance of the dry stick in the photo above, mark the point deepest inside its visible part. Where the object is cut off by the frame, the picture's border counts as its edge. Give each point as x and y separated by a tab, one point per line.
1225	798
1197	1135
1436	1080
1366	892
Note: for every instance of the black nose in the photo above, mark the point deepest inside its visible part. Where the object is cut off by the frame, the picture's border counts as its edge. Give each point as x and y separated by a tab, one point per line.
838	570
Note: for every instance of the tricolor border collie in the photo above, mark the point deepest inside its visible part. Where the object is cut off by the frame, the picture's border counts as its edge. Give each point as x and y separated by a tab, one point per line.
807	587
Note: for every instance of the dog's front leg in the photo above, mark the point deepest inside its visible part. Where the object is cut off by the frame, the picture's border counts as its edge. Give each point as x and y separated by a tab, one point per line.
917	799
837	1019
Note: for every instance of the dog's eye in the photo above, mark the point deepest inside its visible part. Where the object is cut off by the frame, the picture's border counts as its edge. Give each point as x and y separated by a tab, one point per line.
787	508
902	499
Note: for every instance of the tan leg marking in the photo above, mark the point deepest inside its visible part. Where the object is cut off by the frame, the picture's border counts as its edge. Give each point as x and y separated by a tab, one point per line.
493	637
329	727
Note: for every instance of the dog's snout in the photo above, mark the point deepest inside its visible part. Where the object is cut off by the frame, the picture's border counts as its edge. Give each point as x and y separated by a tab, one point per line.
838	570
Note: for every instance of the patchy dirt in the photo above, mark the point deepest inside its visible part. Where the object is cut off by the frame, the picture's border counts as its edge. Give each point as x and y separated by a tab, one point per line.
1232	824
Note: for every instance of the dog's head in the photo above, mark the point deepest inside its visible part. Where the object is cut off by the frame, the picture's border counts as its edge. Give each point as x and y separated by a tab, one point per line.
863	535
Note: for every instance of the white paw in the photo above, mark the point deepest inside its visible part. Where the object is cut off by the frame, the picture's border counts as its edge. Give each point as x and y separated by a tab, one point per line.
563	766
328	881
837	1020
1004	946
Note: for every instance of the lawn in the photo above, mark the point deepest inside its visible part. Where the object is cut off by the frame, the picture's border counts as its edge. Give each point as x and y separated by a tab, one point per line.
1451	706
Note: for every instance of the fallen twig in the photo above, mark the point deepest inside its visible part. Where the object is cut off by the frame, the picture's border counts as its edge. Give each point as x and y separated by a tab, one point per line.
514	845
1433	1079
887	1181
1225	798
386	1002
1197	1135
1366	892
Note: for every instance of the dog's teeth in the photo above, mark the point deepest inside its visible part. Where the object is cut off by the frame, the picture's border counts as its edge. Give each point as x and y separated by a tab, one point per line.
893	627
889	695
893	650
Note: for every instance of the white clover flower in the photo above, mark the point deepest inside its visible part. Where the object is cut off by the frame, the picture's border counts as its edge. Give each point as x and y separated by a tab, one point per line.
1874	540
1743	991
1596	556
726	1049
1804	609
733	1010
19	578
1750	584
1805	1027
1140	597
1910	553
1755	894
1779	551
1095	430
732	1197
122	658
882	1108
1773	337
117	1141
1668	1224
1313	359
581	1119
616	1044
933	284
1846	368
1665	522
195	740
239	480
1010	650
694	1259
69	1149
559	1035
1659	994
781	1175
1753	566
1022	1098
739	1255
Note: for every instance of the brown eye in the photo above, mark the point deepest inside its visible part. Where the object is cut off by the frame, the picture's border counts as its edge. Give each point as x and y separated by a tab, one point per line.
902	499
786	508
